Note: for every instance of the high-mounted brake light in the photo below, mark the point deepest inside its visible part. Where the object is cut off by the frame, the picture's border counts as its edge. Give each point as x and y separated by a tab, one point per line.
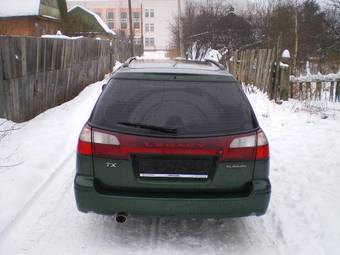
85	141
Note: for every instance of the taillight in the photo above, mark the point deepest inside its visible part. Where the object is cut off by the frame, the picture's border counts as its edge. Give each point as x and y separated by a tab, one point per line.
107	145
262	150
85	141
250	146
241	148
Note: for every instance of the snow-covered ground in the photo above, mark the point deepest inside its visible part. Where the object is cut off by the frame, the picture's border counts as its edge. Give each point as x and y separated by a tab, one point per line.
154	55
38	214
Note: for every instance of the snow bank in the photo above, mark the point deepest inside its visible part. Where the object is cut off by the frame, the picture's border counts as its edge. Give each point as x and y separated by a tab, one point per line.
36	149
19	8
304	209
99	19
213	54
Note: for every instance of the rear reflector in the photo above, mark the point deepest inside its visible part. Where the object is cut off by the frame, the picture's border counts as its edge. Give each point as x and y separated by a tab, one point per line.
250	146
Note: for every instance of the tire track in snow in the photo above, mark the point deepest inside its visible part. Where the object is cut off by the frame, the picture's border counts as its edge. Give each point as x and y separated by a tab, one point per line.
28	204
34	229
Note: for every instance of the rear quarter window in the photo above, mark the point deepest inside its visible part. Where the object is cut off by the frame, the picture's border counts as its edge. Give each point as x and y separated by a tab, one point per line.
193	108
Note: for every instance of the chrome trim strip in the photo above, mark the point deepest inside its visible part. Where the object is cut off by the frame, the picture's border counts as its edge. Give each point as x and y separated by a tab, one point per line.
192	176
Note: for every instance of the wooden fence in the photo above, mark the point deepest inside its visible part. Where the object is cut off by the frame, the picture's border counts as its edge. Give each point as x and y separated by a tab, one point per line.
257	66
39	73
315	87
122	51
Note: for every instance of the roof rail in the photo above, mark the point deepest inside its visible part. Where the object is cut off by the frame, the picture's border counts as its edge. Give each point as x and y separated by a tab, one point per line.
220	66
128	61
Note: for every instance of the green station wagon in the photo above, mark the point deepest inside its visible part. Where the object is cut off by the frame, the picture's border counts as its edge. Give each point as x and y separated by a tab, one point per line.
172	138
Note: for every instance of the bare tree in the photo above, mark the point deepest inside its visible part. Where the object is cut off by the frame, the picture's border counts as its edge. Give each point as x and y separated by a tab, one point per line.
214	25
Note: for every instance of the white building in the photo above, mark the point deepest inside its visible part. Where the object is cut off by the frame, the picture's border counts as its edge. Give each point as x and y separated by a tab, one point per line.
155	15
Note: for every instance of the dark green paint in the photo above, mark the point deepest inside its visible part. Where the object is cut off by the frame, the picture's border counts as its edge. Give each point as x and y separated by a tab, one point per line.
90	200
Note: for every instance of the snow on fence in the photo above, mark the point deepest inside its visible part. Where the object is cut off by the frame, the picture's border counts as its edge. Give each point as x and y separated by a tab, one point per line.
315	86
39	73
257	67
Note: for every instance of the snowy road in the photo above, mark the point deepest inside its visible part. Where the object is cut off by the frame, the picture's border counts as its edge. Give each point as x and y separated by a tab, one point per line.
38	213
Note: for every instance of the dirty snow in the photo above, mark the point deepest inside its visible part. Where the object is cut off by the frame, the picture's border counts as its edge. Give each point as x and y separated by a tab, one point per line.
38	213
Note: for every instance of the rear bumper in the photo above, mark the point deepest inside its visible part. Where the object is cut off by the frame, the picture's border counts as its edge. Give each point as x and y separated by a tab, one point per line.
90	200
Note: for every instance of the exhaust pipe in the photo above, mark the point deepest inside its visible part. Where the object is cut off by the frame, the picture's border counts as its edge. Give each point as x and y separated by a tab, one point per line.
121	217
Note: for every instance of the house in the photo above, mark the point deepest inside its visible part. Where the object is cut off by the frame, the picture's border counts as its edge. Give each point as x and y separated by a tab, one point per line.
31	17
151	19
83	22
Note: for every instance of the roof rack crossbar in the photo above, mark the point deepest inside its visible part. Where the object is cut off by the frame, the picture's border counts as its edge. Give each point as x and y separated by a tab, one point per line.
128	61
220	66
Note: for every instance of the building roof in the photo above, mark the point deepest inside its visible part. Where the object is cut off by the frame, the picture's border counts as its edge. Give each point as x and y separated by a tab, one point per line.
99	20
19	8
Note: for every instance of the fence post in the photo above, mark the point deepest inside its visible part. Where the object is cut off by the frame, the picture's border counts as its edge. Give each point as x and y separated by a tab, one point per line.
308	90
337	91
2	91
300	90
331	92
291	89
318	90
283	83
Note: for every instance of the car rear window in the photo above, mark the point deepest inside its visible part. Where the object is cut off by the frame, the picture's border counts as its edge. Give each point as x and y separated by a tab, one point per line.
193	108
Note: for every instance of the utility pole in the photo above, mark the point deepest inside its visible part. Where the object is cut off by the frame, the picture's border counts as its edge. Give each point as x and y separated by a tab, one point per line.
141	26
296	39
180	30
131	29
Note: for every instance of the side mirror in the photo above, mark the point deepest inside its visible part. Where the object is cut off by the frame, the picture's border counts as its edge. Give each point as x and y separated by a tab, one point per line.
104	86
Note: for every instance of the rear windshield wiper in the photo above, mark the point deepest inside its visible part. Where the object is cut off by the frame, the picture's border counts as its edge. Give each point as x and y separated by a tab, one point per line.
150	127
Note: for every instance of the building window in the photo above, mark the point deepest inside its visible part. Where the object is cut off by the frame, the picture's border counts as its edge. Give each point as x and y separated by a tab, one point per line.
149	13
137	41
110	18
135	19
123	20
149	42
149	27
